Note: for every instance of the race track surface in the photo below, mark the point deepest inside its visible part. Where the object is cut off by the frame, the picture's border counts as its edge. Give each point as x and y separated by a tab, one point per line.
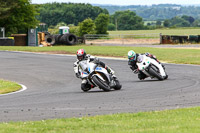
53	91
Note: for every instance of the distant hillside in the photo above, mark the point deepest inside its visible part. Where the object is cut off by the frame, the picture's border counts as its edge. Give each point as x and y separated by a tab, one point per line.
157	12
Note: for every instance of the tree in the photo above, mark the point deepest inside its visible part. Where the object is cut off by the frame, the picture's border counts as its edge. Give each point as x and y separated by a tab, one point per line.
188	18
148	24
127	20
158	23
196	23
166	23
101	23
179	22
86	27
60	24
111	27
5	8
21	16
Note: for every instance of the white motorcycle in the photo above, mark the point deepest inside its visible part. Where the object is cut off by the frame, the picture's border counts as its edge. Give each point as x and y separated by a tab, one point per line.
98	76
151	68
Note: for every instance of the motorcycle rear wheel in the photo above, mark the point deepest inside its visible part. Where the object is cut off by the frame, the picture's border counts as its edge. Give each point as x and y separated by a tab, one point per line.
101	83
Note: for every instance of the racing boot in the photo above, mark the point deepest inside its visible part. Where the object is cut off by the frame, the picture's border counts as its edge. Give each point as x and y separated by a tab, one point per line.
85	86
141	75
112	81
112	76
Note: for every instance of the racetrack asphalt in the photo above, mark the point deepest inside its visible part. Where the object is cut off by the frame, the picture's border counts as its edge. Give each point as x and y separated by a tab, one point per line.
53	91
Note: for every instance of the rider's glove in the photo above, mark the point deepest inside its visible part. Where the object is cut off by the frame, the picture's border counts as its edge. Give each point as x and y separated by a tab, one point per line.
96	60
78	75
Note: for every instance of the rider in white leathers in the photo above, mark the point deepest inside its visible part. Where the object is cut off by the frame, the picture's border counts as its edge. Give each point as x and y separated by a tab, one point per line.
81	56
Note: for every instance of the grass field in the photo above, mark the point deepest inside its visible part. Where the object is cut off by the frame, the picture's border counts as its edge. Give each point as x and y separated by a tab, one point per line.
8	86
170	55
169	121
177	31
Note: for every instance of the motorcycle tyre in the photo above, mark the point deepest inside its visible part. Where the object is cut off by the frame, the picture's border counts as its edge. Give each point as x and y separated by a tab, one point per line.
118	86
153	73
101	84
166	77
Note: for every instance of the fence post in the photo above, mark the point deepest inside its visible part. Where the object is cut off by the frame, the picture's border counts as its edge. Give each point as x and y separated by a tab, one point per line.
3	30
160	38
122	39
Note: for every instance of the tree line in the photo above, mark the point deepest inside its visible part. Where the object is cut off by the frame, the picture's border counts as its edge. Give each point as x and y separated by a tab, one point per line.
69	13
177	21
157	12
182	21
19	15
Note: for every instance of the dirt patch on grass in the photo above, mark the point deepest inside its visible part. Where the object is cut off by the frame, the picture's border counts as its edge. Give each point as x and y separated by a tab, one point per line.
124	41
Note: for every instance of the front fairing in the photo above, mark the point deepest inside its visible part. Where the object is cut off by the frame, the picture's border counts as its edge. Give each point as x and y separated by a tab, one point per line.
143	62
99	71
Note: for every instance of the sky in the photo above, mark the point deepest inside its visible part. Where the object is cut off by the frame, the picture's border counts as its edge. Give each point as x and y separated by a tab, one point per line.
124	2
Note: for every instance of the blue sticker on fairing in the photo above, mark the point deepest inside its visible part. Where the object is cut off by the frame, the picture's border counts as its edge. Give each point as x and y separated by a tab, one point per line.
88	69
84	73
98	68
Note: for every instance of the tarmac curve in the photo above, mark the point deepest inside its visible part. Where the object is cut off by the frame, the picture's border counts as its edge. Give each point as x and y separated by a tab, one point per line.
53	91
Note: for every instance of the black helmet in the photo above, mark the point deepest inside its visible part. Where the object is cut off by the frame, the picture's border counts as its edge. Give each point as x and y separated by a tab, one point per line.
81	54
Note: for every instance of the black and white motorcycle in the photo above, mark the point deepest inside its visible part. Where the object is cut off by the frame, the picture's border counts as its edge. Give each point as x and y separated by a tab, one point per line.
98	76
151	68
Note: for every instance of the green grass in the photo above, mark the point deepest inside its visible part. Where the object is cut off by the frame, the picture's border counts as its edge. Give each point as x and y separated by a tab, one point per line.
177	31
8	86
170	55
169	121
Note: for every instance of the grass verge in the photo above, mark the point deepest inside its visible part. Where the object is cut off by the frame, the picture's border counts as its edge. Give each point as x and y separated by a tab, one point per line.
165	31
171	55
179	121
8	86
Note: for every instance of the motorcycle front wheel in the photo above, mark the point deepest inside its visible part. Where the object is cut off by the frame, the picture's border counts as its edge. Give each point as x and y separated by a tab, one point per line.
118	86
153	73
103	85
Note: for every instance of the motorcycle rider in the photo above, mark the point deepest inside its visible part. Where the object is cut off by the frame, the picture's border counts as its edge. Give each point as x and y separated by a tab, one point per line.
81	56
132	60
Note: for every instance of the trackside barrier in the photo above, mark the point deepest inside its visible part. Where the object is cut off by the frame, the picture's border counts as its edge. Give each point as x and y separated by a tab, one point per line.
175	39
6	41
